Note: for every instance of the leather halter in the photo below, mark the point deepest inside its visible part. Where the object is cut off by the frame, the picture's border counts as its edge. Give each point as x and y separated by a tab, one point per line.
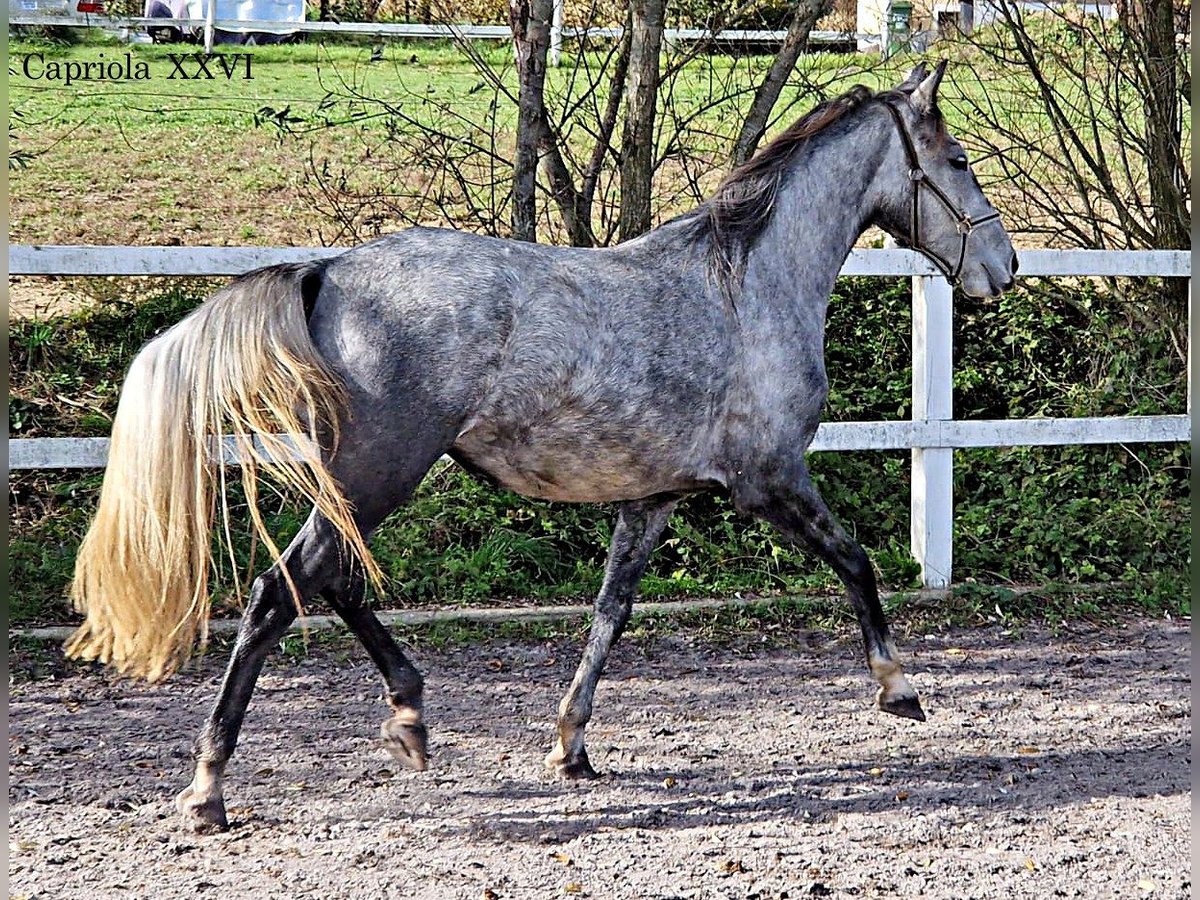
963	222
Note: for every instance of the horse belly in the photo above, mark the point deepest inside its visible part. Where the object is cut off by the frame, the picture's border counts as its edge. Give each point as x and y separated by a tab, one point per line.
583	460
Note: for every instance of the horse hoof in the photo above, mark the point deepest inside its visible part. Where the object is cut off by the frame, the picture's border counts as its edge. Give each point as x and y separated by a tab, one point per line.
201	816
578	769
406	742
906	706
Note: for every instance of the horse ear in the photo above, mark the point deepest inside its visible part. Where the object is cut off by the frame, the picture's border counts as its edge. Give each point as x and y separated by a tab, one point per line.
909	84
924	96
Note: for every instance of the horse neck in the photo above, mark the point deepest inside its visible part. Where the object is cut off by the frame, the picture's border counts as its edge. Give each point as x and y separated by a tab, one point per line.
827	201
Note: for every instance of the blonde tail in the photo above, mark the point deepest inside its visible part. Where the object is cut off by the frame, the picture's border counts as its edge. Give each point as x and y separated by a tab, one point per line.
242	368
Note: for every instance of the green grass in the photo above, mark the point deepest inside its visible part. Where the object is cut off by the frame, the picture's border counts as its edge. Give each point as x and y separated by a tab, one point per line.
162	139
217	161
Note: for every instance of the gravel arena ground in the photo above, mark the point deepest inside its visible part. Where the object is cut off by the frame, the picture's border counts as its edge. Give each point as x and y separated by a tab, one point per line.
1053	764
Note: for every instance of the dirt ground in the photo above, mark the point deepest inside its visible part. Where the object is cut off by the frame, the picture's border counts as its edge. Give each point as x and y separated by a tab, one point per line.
1053	764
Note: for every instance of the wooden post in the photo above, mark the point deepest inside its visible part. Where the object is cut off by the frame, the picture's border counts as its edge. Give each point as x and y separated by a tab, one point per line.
932	395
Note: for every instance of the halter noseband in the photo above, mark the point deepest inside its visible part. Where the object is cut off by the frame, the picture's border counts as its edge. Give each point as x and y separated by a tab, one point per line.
964	223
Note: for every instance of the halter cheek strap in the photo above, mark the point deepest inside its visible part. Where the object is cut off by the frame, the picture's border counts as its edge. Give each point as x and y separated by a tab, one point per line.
963	222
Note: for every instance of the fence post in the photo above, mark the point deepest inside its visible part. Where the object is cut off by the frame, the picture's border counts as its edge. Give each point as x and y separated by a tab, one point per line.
932	396
209	15
556	29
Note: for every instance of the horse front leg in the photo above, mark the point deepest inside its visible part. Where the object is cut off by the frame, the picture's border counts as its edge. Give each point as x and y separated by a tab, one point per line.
798	511
312	561
639	525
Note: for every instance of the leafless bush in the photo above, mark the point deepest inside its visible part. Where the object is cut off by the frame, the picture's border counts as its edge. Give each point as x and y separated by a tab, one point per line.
435	158
1082	120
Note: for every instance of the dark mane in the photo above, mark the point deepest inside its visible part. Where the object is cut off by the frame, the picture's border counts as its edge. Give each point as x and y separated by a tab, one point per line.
736	215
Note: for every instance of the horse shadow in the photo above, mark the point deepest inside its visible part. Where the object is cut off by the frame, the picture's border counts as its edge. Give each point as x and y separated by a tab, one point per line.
978	786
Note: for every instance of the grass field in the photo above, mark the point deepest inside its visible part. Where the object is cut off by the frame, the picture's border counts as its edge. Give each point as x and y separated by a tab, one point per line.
169	161
197	162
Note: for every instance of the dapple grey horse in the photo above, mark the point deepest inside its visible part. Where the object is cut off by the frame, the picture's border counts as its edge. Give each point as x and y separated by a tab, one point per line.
690	359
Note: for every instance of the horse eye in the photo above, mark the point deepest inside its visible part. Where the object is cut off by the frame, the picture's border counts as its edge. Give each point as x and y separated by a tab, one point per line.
959	162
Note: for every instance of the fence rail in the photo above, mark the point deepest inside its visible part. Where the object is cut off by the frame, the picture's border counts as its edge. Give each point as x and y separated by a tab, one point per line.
417	31
67	259
933	434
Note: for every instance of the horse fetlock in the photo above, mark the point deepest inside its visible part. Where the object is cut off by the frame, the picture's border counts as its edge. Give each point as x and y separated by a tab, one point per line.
201	804
405	738
404	697
571	764
896	695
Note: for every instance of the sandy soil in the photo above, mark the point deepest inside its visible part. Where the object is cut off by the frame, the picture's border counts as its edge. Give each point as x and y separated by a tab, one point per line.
1053	765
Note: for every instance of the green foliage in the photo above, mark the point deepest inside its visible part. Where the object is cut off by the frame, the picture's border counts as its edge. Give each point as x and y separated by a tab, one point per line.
1023	515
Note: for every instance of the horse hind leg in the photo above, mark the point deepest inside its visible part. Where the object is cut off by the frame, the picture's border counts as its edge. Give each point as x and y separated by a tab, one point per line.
403	733
318	563
313	560
638	528
800	513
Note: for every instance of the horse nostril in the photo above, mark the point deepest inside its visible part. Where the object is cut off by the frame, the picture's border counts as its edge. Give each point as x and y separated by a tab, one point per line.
1015	266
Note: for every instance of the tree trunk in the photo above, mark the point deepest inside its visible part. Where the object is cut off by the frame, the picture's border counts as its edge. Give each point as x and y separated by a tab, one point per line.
805	14
576	215
530	20
641	94
1155	32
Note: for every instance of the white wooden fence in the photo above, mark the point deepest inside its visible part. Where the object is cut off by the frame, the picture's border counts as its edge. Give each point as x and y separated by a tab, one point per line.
932	434
418	31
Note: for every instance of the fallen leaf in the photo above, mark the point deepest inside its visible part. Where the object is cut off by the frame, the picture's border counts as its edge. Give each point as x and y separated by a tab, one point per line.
734	866
1030	865
902	796
1028	750
875	771
489	894
669	782
573	887
496	665
562	858
1147	885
